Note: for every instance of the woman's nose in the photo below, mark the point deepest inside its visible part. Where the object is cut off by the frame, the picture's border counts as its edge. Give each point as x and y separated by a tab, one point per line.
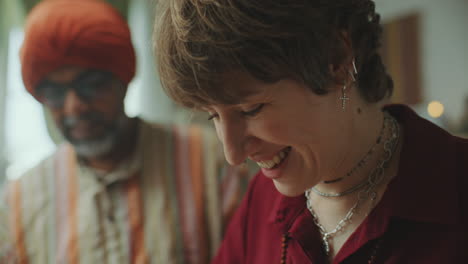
232	135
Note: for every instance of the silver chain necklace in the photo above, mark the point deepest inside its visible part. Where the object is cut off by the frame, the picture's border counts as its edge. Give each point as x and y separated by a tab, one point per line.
374	179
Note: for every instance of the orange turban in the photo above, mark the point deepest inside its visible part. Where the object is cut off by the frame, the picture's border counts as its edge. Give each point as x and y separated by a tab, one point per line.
85	33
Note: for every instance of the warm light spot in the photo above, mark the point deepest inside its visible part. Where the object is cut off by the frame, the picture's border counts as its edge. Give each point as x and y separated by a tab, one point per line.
435	109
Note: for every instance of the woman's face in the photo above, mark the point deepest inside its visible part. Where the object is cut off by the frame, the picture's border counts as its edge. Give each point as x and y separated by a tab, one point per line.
294	135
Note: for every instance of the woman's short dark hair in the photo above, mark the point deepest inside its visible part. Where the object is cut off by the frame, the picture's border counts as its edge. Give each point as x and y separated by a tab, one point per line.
197	42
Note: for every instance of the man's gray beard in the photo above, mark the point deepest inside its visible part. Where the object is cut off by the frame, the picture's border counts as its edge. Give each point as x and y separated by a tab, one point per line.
103	145
95	147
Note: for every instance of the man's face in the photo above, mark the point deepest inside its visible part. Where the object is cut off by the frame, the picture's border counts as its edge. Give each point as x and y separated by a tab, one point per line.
87	106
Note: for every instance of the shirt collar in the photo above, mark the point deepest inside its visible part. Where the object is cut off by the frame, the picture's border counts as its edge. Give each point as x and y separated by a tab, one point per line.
425	188
286	210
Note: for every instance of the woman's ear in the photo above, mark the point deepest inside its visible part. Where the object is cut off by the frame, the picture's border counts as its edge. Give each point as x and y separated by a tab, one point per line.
346	40
340	71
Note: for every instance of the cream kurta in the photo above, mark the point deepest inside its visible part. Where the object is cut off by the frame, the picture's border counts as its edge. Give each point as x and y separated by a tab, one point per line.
164	205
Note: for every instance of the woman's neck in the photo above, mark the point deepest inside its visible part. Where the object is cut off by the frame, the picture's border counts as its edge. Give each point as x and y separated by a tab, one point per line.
362	153
330	211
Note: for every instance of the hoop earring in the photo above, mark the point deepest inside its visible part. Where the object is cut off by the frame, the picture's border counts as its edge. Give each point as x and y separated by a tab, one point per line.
354	67
352	76
354	72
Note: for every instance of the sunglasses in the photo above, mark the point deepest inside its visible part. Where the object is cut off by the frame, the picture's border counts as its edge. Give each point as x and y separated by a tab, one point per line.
88	86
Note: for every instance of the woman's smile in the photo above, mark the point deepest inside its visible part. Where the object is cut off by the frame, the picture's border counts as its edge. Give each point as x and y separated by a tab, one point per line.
272	167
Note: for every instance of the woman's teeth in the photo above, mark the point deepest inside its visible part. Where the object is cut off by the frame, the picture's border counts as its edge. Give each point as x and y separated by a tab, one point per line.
276	160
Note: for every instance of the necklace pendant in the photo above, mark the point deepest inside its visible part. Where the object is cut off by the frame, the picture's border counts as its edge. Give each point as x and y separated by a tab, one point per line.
326	244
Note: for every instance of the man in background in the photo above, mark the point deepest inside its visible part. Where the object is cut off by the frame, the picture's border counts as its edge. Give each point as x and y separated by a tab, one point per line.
119	190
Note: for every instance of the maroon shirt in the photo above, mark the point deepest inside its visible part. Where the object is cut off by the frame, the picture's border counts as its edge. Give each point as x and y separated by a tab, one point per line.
422	217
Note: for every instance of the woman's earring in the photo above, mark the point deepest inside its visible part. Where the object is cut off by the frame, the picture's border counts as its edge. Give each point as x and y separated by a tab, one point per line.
343	97
354	73
352	76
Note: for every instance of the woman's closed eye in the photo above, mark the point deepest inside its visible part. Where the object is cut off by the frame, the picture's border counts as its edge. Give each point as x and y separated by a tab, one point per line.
249	113
212	116
254	111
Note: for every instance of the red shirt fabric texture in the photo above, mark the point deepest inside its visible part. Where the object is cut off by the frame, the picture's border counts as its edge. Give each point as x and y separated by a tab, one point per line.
422	217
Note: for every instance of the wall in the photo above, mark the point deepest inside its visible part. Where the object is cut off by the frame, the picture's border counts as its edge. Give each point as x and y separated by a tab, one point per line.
444	56
444	49
10	15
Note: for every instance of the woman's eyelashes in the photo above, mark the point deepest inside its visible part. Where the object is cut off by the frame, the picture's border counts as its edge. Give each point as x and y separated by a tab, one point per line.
254	111
212	116
250	113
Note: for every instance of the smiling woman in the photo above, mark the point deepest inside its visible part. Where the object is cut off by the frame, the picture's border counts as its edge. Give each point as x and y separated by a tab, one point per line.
299	88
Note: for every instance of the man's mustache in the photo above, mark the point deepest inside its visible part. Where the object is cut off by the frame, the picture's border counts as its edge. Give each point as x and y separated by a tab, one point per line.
93	118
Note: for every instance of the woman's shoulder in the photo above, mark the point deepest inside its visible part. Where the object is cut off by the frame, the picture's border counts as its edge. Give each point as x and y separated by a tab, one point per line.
461	154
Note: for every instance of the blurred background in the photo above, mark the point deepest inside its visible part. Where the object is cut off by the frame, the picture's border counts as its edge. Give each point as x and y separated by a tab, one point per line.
425	48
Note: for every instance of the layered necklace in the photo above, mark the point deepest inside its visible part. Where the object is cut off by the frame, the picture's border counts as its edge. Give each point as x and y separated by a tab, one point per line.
367	187
359	165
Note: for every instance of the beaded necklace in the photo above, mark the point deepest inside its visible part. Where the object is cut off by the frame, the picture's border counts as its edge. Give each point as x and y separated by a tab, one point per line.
285	243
